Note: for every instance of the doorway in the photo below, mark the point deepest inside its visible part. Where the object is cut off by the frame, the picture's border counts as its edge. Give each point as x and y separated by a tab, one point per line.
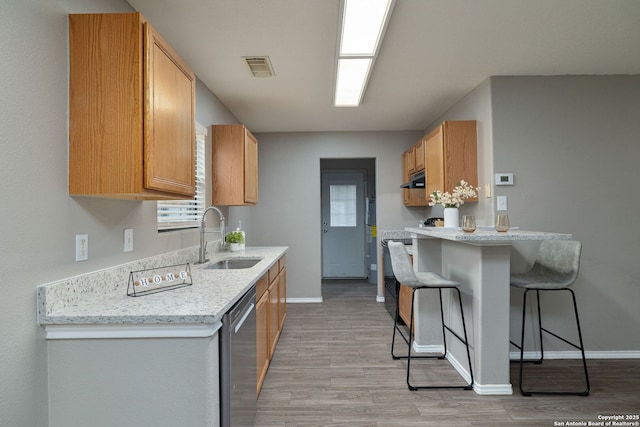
347	189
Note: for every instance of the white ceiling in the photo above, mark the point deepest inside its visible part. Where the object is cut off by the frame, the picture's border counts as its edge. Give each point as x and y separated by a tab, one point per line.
434	52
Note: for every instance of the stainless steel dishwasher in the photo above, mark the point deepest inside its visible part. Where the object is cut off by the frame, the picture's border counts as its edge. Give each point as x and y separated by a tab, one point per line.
238	397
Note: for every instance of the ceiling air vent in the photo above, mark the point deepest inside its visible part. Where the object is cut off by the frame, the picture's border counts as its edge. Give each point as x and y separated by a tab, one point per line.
260	66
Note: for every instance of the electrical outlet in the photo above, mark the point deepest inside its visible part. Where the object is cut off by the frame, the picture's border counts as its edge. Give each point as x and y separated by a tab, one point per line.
487	191
502	203
128	239
82	247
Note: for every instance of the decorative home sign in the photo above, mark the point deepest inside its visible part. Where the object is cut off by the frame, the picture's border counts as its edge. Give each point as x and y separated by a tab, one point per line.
160	279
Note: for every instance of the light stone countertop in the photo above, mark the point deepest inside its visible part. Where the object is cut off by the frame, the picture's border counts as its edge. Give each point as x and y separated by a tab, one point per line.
485	234
102	302
393	234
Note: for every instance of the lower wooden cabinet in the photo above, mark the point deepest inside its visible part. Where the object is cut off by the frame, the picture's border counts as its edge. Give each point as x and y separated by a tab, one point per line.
271	309
274	326
282	293
404	302
262	331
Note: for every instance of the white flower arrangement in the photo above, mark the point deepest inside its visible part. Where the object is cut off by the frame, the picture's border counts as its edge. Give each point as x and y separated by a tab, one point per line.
462	191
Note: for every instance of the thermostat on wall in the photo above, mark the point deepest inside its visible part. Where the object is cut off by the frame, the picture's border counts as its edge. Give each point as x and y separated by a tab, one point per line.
504	179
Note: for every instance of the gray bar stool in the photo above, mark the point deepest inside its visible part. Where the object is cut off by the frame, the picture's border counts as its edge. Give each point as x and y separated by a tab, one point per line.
555	269
404	274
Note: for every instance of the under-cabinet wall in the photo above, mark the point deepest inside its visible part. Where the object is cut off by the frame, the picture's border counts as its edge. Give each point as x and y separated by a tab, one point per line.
134	382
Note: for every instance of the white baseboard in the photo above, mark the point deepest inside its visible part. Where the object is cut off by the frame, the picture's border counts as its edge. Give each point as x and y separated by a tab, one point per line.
616	354
379	298
462	369
304	300
498	389
432	348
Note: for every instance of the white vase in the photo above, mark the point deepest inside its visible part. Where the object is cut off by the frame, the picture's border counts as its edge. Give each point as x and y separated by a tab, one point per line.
235	247
451	217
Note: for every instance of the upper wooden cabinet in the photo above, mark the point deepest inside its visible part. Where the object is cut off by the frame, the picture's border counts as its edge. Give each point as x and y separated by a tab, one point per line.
411	196
451	156
413	159
447	155
409	160
419	155
131	111
234	165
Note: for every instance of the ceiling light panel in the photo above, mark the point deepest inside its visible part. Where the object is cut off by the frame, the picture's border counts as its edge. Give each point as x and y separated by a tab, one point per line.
362	25
351	81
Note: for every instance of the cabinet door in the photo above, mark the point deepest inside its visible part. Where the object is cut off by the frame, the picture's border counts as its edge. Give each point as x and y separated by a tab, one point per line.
250	168
262	339
262	285
273	317
282	298
404	301
405	294
406	194
169	134
451	156
435	161
460	154
234	166
419	151
411	160
411	196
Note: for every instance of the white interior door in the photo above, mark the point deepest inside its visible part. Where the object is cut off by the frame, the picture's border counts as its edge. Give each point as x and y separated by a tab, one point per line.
343	228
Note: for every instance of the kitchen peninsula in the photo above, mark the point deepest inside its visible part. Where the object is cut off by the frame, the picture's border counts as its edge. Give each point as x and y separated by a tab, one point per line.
147	360
480	262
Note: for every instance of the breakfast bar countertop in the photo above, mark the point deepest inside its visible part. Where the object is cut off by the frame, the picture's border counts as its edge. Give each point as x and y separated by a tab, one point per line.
485	234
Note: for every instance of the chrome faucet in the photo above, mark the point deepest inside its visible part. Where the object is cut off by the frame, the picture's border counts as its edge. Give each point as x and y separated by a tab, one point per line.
203	243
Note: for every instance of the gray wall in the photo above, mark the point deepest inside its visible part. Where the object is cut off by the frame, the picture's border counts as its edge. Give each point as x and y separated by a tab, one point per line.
289	209
572	144
38	219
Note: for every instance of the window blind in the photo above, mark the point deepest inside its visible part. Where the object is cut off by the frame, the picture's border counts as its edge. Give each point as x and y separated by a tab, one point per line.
176	214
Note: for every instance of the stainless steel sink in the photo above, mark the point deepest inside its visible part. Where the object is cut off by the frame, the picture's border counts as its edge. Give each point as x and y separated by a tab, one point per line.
233	263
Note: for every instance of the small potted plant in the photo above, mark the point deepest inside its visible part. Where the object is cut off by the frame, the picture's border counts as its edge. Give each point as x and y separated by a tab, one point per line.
235	241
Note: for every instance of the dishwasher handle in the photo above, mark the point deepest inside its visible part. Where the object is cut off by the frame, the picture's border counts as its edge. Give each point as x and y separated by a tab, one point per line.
246	314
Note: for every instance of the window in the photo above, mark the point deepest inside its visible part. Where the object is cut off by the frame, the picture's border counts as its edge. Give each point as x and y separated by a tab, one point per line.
342	200
176	214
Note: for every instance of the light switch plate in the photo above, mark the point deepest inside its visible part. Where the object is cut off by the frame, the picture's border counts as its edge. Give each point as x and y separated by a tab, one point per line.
82	247
128	239
502	203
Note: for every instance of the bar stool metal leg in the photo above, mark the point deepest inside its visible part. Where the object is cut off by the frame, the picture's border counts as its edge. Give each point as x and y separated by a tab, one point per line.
408	340
542	329
442	356
466	339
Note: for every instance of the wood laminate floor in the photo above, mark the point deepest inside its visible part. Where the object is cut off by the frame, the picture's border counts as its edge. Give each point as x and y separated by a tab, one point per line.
333	367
